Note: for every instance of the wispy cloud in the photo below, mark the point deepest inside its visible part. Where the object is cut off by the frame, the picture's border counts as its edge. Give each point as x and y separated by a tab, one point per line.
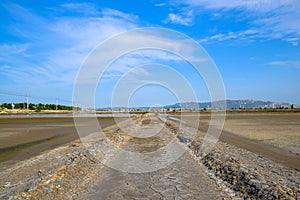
117	14
254	5
185	18
8	51
285	63
55	48
294	41
241	35
150	47
160	4
283	23
274	19
54	52
139	58
86	8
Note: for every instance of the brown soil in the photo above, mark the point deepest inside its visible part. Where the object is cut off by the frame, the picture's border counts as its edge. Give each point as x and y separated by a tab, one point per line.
23	137
274	135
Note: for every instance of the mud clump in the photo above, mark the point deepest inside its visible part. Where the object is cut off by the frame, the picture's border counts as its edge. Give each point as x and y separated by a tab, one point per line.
246	177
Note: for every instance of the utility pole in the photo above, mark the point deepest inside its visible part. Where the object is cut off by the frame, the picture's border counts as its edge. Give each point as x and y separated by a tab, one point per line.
27	101
56	103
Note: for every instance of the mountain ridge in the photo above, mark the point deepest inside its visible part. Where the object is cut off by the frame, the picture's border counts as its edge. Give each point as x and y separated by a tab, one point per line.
230	104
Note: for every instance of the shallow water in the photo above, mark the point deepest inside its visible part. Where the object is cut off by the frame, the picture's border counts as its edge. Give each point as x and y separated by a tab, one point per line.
176	119
70	115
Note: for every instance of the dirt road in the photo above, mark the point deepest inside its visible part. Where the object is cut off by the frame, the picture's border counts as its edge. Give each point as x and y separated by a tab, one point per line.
182	179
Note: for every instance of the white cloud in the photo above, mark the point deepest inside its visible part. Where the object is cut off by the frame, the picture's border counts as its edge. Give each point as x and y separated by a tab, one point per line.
138	58
160	4
286	63
274	19
185	19
284	23
253	5
241	35
56	47
86	8
8	51
294	41
117	14
155	41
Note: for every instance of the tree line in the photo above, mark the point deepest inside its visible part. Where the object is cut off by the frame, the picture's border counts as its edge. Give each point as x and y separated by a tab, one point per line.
37	107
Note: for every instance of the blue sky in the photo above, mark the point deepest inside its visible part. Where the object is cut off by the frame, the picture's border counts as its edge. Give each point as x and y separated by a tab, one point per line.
254	43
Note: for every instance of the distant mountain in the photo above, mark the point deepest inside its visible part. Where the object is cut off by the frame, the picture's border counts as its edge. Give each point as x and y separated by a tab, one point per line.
230	104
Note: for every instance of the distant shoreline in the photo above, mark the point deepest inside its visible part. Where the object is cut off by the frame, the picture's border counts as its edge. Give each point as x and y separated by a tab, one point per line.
22	112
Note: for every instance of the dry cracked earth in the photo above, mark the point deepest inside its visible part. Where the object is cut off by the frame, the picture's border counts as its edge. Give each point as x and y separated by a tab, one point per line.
145	157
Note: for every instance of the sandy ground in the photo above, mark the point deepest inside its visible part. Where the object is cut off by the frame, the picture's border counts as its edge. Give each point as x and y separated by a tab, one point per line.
23	137
279	129
275	135
272	134
72	172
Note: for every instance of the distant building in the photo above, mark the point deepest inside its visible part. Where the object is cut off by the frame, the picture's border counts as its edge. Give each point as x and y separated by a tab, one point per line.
170	110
